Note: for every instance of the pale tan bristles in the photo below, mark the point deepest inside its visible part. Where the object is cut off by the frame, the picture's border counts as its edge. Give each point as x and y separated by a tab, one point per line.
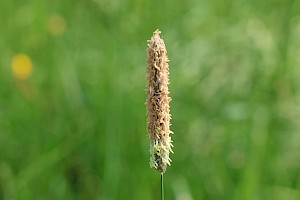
158	109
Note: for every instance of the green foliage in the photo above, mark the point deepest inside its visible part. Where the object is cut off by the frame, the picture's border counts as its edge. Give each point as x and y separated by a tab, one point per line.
76	129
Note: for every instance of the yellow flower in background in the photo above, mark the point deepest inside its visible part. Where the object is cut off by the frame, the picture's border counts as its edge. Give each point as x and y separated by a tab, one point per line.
56	25
21	66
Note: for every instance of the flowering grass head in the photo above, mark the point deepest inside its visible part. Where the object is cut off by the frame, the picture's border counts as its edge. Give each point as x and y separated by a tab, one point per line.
158	109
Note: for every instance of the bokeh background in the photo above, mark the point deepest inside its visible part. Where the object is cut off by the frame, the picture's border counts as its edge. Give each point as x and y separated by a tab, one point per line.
72	89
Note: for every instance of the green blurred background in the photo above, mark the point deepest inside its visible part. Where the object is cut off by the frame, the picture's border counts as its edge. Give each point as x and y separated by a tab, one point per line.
74	125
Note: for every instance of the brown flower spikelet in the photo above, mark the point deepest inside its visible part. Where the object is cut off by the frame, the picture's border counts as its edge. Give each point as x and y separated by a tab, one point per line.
158	109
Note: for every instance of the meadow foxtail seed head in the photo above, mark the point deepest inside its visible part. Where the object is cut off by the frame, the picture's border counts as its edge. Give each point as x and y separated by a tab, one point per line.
158	109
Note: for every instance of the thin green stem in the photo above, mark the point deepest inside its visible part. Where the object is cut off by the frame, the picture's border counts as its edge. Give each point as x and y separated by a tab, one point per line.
162	186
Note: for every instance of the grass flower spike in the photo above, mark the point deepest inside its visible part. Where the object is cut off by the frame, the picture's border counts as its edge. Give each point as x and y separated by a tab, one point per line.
158	109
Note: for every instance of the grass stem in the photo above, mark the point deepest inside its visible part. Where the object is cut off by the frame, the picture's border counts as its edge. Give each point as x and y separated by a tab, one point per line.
162	186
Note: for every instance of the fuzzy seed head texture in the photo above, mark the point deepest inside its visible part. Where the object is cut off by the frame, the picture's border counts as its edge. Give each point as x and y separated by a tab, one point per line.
158	109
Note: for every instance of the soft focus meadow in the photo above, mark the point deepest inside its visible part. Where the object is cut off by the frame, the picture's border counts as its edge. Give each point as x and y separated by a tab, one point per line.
72	94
